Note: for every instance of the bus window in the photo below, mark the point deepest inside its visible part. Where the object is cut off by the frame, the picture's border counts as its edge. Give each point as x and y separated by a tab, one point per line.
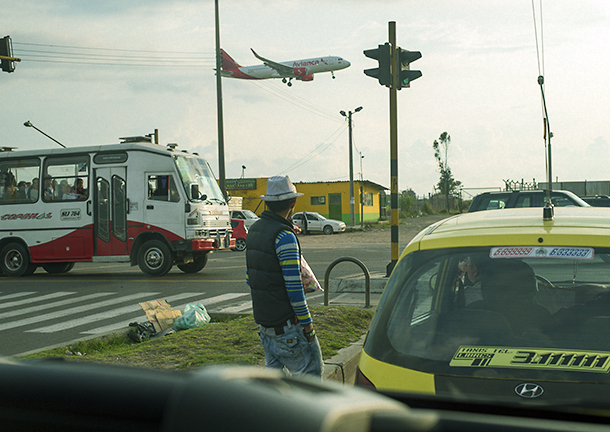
162	188
17	177
66	178
103	210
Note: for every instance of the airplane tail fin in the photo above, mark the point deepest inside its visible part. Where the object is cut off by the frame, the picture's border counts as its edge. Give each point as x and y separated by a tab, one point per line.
227	62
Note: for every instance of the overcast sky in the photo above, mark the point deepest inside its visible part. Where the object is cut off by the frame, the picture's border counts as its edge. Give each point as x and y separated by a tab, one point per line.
479	65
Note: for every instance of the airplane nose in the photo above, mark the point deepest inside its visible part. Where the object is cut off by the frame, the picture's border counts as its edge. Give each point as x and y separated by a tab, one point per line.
346	63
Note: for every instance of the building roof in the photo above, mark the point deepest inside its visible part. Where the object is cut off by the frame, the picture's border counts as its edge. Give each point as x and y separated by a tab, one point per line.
368	182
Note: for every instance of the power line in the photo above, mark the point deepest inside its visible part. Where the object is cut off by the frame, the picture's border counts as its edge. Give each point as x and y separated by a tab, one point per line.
107	49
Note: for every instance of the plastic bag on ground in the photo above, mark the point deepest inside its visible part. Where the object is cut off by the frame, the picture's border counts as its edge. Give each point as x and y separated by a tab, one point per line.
195	315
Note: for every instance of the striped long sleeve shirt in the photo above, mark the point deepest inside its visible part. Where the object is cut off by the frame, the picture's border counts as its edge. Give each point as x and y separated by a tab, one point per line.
287	250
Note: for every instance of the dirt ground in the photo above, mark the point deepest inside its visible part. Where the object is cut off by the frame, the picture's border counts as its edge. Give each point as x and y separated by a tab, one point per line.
407	229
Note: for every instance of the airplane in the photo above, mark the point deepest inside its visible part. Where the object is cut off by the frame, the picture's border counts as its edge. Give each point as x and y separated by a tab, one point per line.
302	70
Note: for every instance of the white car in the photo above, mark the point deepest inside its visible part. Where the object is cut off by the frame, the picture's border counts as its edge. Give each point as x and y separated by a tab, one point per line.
248	216
317	223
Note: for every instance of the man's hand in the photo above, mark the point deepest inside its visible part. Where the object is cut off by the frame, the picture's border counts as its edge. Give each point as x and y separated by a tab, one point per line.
309	332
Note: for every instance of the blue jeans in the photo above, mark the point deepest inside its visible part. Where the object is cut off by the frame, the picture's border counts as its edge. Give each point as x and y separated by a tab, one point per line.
291	350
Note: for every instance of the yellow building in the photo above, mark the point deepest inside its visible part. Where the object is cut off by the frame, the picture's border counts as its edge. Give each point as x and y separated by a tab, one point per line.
330	199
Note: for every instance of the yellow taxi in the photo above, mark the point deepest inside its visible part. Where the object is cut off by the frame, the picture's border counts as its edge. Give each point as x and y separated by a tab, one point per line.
506	305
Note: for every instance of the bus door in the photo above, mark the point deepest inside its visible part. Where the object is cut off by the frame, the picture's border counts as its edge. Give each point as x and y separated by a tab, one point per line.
164	209
111	207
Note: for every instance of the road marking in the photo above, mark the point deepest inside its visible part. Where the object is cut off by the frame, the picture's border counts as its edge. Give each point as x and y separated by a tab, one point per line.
103	315
79	309
52	305
242	307
34	300
15	295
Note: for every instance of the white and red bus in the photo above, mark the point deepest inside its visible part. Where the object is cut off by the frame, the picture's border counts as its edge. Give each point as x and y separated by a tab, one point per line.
141	203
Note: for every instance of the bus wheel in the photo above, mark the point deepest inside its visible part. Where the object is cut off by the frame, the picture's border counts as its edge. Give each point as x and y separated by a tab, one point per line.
198	263
56	268
14	260
155	258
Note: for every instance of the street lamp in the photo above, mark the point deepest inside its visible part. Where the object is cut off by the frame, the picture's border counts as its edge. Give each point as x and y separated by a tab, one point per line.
351	163
29	124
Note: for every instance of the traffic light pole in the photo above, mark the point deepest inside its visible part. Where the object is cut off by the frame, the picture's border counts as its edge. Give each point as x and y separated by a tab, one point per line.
393	151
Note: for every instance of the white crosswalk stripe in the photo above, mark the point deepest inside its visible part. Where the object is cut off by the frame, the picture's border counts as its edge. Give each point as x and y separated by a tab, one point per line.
71	311
48	306
34	308
33	300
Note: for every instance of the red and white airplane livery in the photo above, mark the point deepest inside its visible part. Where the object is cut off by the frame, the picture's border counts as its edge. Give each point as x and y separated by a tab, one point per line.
298	69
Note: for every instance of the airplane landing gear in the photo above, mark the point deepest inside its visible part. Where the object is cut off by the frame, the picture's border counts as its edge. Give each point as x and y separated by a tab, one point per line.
284	80
333	74
289	84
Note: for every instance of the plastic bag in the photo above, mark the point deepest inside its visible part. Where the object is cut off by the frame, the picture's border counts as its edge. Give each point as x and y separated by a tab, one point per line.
310	283
195	315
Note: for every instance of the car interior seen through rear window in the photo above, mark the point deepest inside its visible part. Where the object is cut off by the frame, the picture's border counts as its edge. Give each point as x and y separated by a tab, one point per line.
466	311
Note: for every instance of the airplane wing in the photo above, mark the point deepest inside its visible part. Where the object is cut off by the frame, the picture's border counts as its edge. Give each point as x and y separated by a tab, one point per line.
280	68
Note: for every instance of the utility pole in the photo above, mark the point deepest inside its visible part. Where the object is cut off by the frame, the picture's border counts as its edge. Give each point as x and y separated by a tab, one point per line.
351	165
221	140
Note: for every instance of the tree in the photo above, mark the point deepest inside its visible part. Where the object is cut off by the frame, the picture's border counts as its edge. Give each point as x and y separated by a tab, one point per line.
447	185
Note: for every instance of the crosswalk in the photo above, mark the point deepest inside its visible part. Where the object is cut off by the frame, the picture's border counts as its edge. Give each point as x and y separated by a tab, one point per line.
99	313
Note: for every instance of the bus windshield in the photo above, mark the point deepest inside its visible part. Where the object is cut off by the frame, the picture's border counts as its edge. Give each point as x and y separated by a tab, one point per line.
198	180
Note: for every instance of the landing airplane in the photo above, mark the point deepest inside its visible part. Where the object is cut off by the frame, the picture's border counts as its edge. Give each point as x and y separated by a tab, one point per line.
298	69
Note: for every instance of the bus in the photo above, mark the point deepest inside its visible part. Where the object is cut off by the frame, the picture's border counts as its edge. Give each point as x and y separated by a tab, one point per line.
137	202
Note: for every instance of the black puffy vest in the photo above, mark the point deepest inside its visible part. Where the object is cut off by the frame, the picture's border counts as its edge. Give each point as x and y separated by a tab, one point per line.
270	302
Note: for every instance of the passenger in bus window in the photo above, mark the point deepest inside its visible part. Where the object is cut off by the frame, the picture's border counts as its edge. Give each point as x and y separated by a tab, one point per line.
79	189
65	192
173	192
33	191
48	192
20	194
8	194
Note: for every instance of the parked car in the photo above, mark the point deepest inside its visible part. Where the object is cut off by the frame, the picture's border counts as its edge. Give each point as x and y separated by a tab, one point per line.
597	201
317	223
248	216
510	308
240	232
532	198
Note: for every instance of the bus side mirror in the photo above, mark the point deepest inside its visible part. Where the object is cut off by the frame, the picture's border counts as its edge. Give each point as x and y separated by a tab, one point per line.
195	191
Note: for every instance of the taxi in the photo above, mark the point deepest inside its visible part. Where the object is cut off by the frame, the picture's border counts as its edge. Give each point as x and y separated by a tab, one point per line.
509	305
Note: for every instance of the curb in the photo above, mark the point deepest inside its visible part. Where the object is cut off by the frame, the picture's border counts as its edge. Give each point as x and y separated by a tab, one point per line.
342	367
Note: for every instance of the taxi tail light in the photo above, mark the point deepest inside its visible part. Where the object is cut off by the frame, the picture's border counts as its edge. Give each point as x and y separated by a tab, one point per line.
362	381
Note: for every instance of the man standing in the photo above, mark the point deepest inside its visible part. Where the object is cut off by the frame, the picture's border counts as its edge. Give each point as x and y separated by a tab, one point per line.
273	261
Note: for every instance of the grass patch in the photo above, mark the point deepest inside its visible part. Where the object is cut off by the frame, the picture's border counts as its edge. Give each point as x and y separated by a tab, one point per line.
232	341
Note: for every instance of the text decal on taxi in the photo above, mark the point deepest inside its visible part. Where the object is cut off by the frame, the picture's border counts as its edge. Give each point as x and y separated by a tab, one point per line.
531	358
541	252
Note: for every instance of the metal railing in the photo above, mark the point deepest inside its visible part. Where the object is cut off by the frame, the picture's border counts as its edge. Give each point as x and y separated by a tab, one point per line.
367	277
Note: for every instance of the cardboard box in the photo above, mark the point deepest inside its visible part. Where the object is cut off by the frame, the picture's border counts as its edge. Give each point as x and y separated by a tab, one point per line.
160	314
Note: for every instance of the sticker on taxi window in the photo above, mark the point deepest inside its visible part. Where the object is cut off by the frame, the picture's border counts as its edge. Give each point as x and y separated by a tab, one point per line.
541	252
531	358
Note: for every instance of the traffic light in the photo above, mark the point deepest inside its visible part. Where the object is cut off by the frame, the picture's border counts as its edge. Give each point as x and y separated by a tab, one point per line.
383	54
405	75
6	56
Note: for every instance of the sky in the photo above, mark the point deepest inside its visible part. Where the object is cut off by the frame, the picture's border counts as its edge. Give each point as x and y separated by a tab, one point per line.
95	71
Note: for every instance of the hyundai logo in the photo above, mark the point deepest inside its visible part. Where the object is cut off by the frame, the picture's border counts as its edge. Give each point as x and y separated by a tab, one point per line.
529	390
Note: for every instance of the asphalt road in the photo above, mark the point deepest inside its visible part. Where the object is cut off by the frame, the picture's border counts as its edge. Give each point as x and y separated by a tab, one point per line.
44	310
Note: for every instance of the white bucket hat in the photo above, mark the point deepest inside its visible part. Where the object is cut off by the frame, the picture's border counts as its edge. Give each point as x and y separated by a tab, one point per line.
279	189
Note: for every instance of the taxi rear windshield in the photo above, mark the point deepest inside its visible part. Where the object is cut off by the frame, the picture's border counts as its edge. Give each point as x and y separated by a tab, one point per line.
544	308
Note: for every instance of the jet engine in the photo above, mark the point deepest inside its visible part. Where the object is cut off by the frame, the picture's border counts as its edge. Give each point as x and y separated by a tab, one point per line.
308	77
